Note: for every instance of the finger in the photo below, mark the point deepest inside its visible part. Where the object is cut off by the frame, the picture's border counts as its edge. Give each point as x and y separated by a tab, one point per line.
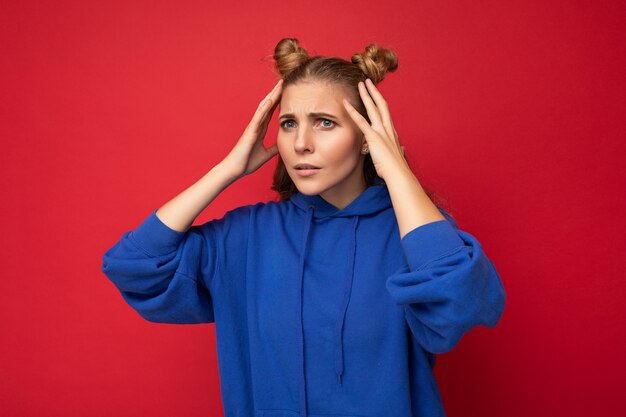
383	107
267	116
277	86
260	116
372	111
360	121
264	125
275	98
277	91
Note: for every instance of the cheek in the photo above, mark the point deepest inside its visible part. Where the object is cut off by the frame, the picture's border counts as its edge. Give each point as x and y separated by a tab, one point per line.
341	151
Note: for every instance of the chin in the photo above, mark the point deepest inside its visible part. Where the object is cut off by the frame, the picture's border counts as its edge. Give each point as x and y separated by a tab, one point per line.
307	189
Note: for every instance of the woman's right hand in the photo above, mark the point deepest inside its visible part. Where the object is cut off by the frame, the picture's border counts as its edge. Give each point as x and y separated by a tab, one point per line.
249	153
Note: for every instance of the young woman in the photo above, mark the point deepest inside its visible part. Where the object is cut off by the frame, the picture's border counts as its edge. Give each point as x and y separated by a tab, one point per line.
334	300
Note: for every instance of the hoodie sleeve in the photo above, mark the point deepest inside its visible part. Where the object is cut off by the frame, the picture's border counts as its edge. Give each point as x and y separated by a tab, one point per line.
448	287
166	275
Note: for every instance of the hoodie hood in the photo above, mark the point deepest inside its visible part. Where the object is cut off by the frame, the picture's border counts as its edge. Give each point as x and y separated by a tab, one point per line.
371	201
374	199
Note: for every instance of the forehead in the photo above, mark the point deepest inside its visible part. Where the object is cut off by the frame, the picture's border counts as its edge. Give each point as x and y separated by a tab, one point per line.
311	96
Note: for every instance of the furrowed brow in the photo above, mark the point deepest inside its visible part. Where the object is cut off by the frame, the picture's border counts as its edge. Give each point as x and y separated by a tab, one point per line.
311	115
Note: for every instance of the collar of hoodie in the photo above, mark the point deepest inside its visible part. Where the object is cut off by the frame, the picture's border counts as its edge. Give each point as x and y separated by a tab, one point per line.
371	201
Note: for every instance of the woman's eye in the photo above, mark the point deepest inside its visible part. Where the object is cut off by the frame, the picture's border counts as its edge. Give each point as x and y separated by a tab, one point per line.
329	123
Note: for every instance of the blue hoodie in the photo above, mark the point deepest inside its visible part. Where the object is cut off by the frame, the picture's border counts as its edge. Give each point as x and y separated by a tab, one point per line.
318	311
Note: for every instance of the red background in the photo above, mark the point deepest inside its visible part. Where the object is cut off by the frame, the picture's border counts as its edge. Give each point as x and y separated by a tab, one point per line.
511	110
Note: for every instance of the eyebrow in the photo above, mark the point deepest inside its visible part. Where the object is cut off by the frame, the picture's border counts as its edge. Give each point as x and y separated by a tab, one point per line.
311	115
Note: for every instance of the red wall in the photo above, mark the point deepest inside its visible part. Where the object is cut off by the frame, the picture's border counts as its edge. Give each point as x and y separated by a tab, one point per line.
511	110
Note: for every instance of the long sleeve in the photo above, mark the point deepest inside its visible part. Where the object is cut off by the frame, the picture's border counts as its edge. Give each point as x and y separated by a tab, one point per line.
448	287
164	274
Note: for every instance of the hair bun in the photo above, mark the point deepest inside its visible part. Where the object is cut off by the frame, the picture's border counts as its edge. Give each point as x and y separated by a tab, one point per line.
375	62
289	55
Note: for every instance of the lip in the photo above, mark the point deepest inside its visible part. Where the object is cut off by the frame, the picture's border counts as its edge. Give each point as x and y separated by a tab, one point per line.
307	172
307	166
309	169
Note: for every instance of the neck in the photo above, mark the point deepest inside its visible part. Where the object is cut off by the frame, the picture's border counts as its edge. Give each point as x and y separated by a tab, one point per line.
341	198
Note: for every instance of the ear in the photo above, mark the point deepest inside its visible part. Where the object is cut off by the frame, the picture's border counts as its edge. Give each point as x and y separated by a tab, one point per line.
363	143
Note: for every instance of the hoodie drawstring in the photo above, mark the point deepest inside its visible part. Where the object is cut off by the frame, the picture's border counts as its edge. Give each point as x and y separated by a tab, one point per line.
342	312
307	228
344	304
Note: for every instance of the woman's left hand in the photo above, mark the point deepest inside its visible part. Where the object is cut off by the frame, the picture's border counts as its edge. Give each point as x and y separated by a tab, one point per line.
381	136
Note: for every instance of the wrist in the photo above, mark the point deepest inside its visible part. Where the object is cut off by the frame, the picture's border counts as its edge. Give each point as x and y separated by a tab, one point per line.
225	172
400	175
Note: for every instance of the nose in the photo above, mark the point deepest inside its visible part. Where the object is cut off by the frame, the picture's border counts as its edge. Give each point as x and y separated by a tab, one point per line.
303	141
